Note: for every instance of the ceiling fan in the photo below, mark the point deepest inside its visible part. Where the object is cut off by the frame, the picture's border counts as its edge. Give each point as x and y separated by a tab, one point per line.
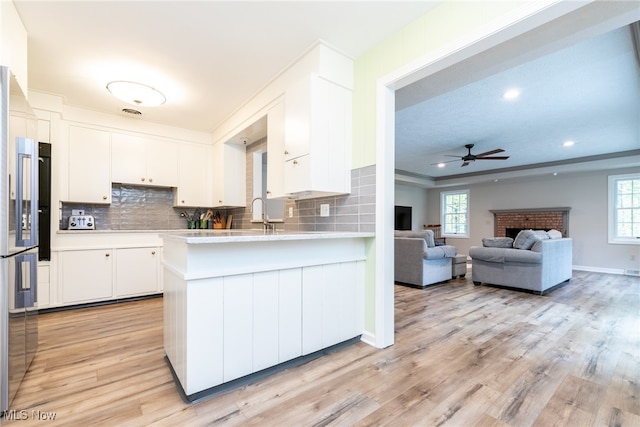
468	158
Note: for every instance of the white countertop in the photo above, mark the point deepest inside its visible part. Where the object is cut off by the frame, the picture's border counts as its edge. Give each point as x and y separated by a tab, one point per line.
235	236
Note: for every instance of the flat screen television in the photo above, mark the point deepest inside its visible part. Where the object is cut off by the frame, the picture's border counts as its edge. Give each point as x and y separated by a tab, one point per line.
403	218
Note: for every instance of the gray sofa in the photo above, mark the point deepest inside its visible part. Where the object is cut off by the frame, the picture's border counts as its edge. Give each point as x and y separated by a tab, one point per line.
418	261
534	263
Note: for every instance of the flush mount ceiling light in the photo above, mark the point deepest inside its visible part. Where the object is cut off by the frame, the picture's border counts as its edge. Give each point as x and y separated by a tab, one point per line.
568	143
511	94
136	94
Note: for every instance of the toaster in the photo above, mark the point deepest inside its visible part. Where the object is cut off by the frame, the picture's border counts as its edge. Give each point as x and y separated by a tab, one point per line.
81	222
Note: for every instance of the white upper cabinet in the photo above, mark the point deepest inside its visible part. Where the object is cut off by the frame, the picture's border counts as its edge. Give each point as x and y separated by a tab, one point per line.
317	138
229	175
89	165
275	151
194	188
140	160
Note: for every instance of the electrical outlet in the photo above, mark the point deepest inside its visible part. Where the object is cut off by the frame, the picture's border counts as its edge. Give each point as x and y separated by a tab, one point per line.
324	209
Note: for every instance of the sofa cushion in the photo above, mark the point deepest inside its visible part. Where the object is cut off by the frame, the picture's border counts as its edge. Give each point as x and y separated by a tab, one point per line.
526	239
427	235
502	255
437	252
497	242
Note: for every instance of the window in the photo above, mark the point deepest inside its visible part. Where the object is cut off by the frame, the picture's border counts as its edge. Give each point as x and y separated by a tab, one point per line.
624	209
454	213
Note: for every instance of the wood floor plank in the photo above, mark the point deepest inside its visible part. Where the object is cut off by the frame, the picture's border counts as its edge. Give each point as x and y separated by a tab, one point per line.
464	355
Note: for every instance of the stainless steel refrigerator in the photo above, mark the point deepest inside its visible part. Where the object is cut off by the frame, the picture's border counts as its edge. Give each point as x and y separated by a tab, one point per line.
18	237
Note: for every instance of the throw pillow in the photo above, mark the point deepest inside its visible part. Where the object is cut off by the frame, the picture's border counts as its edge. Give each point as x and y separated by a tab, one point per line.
543	234
525	239
554	234
497	242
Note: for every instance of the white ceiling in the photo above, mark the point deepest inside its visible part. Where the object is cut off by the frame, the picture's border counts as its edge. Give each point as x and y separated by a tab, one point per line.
588	92
207	57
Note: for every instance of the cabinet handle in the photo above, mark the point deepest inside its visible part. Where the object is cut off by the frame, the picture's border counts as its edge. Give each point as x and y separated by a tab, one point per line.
150	179
104	197
286	152
182	202
142	179
295	162
268	192
107	254
219	201
153	252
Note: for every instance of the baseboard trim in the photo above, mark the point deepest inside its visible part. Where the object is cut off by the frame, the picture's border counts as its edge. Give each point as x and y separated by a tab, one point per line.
368	338
98	303
599	269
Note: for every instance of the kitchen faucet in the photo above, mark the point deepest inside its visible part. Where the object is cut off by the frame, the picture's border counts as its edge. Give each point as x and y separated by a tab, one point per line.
265	218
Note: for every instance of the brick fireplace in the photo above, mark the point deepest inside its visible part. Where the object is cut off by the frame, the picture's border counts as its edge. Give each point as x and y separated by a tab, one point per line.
508	222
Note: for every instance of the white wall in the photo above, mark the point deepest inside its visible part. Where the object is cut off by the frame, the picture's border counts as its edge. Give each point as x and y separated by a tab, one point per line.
13	43
585	194
415	197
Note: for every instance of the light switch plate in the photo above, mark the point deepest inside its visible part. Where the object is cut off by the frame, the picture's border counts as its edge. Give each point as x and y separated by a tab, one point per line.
290	212
324	209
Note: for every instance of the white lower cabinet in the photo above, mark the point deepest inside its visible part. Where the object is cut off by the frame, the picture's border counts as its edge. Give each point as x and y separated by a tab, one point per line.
262	321
329	297
86	275
137	271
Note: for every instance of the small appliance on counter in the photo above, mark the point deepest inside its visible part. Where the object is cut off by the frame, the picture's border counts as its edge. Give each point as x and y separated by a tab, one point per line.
79	221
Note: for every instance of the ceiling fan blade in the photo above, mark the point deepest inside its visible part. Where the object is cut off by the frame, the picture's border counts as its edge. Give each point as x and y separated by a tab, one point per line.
451	155
488	153
493	158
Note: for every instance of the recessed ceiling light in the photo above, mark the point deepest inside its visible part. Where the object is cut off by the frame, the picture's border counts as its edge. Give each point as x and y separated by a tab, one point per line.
511	94
568	143
555	174
441	165
137	94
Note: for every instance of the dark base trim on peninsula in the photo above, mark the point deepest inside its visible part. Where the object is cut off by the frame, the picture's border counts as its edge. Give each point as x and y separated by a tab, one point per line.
254	377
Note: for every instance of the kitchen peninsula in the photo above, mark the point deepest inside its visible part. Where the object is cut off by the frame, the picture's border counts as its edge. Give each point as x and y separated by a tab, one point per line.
239	304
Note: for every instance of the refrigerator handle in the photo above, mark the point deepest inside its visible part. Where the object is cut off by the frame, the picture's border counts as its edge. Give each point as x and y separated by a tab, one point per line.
26	223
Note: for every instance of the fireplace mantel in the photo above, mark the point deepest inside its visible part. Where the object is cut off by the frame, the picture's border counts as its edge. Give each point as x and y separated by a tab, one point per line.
536	218
528	210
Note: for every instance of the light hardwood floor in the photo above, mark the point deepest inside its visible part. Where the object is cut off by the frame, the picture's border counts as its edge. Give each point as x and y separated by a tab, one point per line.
464	355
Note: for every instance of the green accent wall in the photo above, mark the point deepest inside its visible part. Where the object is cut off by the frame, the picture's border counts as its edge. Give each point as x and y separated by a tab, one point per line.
448	21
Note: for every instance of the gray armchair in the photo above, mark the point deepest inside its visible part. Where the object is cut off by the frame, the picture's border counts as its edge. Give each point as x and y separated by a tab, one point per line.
418	261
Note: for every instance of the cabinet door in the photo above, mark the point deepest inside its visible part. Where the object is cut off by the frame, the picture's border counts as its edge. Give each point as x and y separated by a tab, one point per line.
297	119
128	159
229	175
312	309
194	188
89	165
275	151
85	276
290	314
162	163
137	271
297	175
265	319
238	325
331	304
